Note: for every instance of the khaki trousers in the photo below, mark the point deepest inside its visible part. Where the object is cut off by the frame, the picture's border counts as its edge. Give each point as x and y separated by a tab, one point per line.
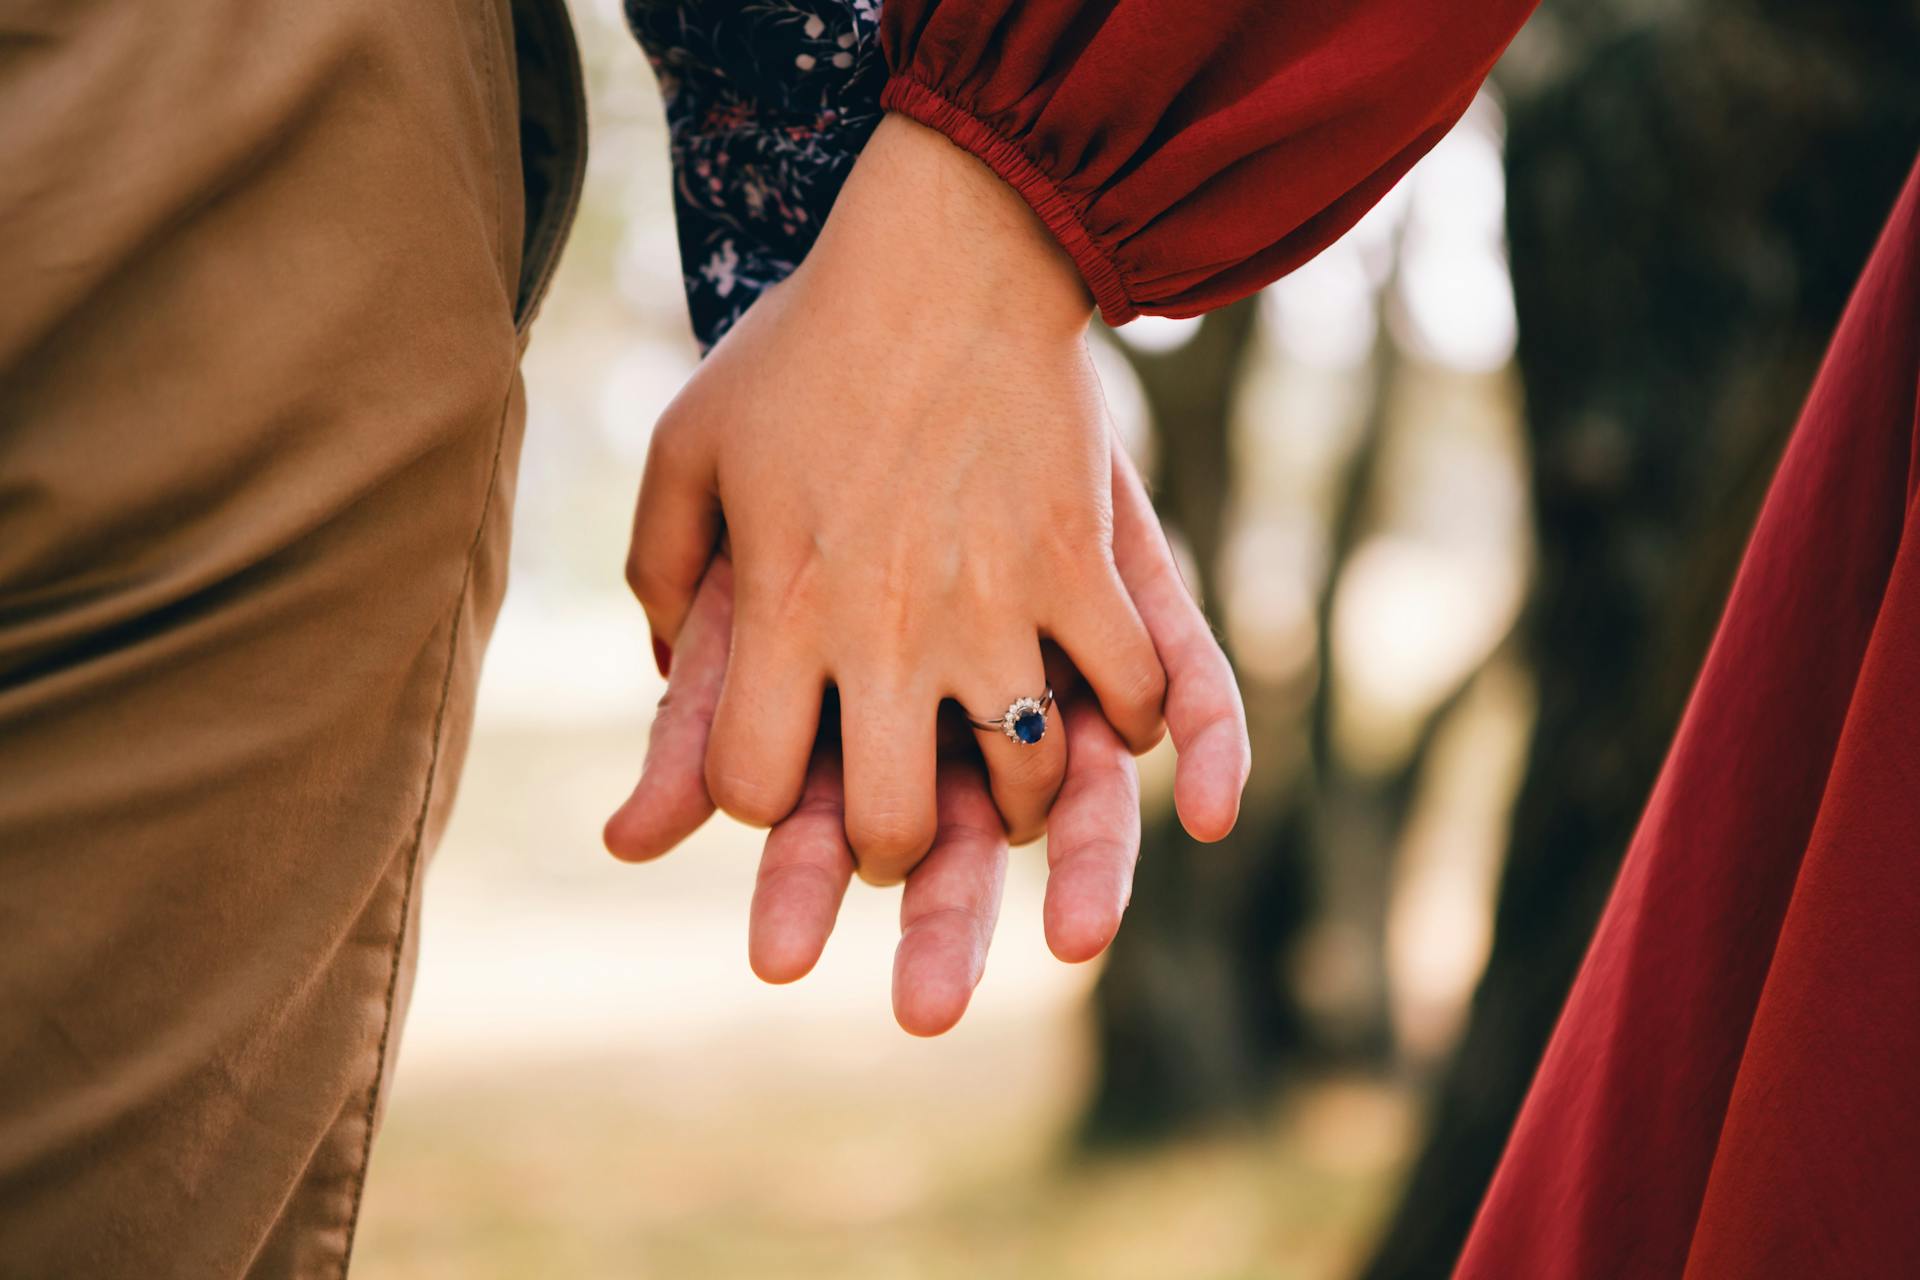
266	269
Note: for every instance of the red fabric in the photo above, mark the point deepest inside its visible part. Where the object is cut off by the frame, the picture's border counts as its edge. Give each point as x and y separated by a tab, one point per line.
1187	154
1731	1090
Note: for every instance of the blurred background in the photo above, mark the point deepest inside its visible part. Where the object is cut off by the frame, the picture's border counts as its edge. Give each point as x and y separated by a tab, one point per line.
1463	496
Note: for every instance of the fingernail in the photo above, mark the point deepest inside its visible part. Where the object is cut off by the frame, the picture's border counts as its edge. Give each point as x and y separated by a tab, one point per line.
662	656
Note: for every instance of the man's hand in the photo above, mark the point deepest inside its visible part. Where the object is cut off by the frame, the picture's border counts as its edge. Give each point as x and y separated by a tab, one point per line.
951	901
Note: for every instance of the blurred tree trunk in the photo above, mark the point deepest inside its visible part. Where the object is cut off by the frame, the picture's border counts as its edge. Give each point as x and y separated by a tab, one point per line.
1197	1011
1192	1009
1689	204
1357	817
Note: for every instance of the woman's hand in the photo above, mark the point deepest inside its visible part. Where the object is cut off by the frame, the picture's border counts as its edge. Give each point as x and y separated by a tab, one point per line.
908	447
951	899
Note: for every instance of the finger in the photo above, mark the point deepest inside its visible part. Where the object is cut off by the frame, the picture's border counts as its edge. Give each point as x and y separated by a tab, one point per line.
1203	708
888	748
948	908
1093	836
764	727
671	801
803	877
1104	637
676	523
1024	775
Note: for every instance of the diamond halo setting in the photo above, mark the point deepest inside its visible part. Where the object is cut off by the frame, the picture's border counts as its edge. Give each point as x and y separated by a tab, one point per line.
1025	721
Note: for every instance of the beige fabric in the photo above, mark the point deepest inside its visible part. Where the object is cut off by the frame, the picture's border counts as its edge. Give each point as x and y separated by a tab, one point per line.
260	271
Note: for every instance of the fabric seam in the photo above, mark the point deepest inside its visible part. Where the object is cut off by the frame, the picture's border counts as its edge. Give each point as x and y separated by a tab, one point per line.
398	949
491	72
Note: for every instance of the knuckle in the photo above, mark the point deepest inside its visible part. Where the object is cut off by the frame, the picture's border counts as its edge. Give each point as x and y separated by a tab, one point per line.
668	714
820	804
649	583
670	444
1077	537
788	592
890	838
891	592
1143	683
745	796
972	831
1034	770
894	609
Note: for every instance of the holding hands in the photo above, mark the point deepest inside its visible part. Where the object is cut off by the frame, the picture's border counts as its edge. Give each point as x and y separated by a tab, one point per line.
892	490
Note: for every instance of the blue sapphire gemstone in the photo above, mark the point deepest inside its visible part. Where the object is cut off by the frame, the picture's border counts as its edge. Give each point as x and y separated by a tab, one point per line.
1030	727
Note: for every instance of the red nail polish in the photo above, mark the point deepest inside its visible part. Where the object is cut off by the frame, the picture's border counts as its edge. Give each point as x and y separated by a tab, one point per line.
662	656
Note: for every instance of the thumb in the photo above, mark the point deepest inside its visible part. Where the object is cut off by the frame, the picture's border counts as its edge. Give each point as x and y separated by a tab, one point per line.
675	526
670	801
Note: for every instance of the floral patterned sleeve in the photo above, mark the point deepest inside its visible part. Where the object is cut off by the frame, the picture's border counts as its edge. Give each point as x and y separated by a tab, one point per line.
1184	154
768	104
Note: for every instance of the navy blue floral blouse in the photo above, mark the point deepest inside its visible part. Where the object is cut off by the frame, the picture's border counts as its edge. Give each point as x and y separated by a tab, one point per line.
768	104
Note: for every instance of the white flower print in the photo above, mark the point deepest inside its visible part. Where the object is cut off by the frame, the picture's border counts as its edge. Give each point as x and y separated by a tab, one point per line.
768	104
721	267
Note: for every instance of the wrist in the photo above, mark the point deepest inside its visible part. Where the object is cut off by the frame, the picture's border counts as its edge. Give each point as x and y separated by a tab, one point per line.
931	229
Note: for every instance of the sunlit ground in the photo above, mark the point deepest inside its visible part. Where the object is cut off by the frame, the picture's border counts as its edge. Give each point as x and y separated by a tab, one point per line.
592	1084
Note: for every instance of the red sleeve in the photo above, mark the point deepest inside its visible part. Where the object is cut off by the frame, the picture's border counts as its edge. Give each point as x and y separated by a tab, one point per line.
1189	152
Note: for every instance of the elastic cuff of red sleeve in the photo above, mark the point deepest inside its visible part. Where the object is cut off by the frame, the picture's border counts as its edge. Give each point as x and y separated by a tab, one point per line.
1053	206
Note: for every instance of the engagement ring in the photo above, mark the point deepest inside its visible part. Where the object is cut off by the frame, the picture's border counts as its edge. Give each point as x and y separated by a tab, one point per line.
1025	721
